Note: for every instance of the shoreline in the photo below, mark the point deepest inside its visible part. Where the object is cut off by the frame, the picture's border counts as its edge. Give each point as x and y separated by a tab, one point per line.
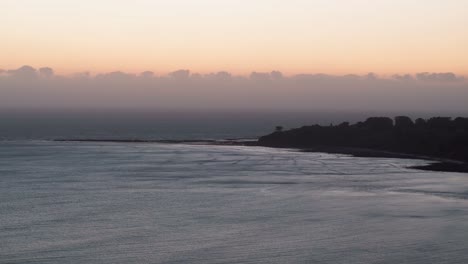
435	164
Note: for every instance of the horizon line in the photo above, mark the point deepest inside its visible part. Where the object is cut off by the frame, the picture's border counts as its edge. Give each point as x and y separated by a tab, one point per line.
189	73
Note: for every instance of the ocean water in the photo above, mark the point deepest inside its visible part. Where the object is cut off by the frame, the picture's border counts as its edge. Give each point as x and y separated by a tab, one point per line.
66	124
69	202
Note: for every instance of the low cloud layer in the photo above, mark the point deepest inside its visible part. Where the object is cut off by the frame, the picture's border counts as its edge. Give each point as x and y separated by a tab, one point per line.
27	87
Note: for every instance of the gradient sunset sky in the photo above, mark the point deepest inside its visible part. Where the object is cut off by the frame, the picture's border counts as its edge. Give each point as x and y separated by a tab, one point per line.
239	36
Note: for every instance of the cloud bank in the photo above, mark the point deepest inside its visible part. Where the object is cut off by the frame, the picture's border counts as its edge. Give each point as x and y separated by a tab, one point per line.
27	87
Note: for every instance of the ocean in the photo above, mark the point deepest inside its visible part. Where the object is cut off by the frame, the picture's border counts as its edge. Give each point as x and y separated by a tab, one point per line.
92	202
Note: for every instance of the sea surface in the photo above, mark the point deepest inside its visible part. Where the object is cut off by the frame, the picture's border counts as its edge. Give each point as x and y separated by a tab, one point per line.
91	202
154	125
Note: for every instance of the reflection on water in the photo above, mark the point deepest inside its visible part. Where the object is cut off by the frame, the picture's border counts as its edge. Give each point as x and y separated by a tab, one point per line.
155	203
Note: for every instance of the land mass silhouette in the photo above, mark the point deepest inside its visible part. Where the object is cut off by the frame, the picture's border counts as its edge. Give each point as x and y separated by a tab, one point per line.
442	139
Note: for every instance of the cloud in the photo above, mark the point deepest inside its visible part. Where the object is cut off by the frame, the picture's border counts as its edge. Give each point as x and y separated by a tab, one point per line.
260	76
115	76
85	75
147	74
438	77
263	76
276	75
223	90
351	77
404	77
372	76
218	76
180	74
222	75
25	73
314	77
46	72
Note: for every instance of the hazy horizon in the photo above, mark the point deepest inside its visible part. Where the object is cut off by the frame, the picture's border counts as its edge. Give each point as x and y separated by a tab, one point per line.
31	88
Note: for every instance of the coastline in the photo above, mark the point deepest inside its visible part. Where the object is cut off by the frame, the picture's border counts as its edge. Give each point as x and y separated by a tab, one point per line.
435	164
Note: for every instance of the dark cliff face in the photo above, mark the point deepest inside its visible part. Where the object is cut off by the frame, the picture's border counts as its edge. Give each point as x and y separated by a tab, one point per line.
437	137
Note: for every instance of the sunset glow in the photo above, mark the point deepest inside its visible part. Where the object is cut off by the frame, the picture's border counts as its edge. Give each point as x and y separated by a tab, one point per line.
297	36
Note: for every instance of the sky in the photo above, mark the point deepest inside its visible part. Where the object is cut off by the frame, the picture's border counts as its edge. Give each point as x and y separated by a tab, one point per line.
239	36
295	55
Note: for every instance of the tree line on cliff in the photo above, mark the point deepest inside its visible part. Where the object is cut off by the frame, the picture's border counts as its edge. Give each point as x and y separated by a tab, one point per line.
442	137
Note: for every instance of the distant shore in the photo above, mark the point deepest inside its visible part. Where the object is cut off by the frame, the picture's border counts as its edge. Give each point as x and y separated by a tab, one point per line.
442	140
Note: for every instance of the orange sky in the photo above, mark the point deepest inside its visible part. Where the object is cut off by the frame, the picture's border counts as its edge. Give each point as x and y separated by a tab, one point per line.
240	36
